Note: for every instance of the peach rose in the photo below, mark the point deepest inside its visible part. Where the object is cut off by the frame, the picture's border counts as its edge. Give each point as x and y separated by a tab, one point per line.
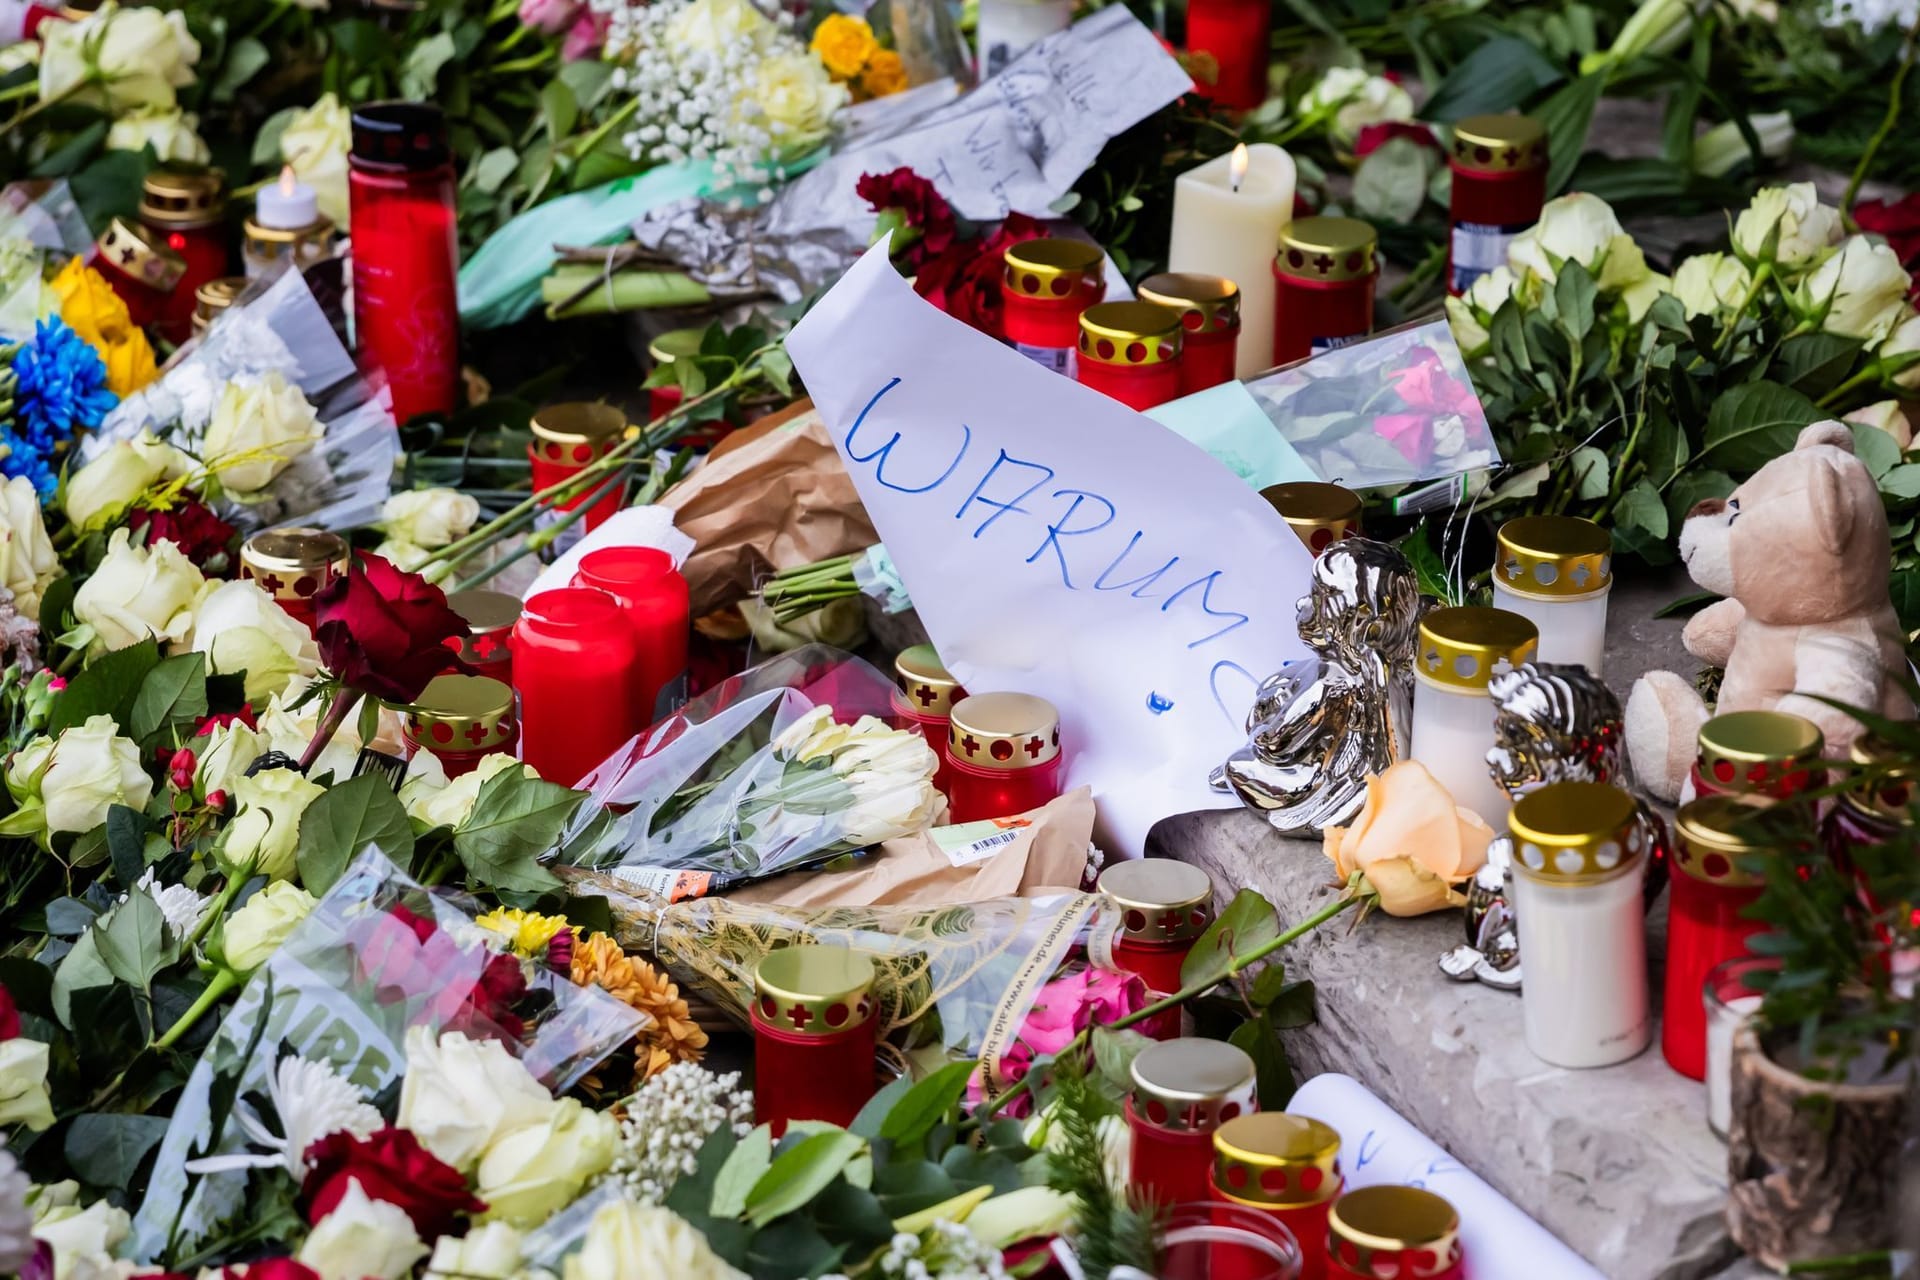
1411	841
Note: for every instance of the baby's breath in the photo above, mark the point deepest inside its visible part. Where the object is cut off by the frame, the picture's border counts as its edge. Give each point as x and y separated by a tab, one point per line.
669	1120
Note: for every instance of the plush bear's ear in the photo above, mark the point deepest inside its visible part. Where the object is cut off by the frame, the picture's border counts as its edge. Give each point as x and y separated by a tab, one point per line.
1830	432
1833	515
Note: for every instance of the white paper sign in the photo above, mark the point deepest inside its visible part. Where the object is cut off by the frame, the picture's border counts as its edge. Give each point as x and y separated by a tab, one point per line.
1057	543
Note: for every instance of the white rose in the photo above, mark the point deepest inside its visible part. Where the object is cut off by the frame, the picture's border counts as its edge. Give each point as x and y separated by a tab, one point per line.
258	429
102	489
489	1251
1578	228
266	829
1904	341
402	555
74	779
290	731
429	517
628	1241
171	132
1471	312
715	26
537	1169
240	628
1379	100
24	1097
362	1239
1013	1216
222	756
1643	293
460	1095
1333	88
315	143
118	59
1888	417
1722	148
1807	227
82	1240
28	562
138	592
26	53
1863	288
797	98
1711	283
254	932
432	800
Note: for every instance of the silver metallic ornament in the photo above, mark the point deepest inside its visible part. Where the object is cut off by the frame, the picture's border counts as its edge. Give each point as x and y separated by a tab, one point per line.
1320	727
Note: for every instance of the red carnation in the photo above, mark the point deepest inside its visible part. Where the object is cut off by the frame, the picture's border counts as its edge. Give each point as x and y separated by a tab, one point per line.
207	724
383	631
1372	137
201	535
390	1165
919	204
9	1016
270	1269
964	282
1899	222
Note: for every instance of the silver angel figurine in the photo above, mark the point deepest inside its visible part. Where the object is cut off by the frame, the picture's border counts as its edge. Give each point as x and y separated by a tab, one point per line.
1320	727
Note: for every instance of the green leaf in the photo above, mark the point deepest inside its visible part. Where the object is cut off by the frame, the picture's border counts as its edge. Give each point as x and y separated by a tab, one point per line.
790	1250
1273	1075
71	154
1267	986
1391	183
126	843
1640	508
422	68
246	58
908	1186
107	687
874	1114
1875	448
133	942
1114	1052
106	1149
1905	588
1903	481
174	692
1500	74
82	969
266	140
559	109
1567	116
1297	1005
343	821
741	1173
494	168
1574	294
800	1173
926	1104
109	186
1591	465
514	820
589	78
1815	363
1753	424
1247	923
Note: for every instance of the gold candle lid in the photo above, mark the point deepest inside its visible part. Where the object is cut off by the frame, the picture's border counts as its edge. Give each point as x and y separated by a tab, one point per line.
294	564
1273	1158
813	989
1053	270
1207	304
1890	795
1319	513
171	196
1130	334
462	713
1327	249
318	231
578	431
139	253
1571	832
1554	557
1759	750
925	685
490	616
213	297
1003	731
1499	144
1367	1224
1160	900
673	344
1710	836
1465	647
1193	1084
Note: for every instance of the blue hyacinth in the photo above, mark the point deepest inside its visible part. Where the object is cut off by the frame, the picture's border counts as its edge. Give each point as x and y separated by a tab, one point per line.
60	387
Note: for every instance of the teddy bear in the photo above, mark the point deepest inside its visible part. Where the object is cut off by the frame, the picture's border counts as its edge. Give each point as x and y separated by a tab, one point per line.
1801	553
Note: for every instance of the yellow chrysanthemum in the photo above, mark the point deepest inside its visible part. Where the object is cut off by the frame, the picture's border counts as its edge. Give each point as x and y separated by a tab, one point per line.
844	44
673	1036
526	932
885	74
89	306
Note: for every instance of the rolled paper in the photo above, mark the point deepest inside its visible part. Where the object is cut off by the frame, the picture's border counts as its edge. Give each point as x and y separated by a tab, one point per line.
1380	1148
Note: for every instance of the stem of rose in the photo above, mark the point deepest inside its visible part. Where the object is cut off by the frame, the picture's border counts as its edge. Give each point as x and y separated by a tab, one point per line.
335	716
224	982
1887	123
1079	1043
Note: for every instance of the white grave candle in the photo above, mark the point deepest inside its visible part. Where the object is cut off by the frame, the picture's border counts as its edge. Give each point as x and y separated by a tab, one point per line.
1227	218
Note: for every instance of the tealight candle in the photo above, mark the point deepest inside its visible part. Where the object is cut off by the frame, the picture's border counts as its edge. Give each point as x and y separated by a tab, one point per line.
1182	1092
1460	651
1767	753
1556	571
286	204
1228	215
286	229
1284	1165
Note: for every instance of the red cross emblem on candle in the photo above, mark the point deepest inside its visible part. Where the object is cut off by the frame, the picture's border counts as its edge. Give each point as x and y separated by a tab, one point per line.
968	745
926	695
1323	264
271	583
476	734
484	646
800	1016
1034	747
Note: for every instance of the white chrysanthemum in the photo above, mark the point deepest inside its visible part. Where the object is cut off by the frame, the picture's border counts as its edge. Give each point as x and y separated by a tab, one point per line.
183	908
1872	15
16	1220
668	1121
311	1100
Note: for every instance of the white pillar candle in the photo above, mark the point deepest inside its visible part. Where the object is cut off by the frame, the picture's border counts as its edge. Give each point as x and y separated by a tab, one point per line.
1227	218
1008	28
286	205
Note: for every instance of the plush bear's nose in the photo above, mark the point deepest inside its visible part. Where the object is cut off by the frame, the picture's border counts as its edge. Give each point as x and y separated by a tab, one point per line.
1707	507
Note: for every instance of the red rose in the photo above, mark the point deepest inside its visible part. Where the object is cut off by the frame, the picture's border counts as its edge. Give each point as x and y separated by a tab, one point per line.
390	1165
9	1016
964	282
207	724
918	201
270	1269
201	535
1371	137
1899	222
383	630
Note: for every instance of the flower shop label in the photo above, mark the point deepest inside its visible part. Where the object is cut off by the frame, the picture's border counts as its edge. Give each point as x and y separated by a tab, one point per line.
1059	544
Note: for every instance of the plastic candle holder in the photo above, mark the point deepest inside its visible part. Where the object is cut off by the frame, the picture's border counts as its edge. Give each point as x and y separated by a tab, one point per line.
1765	753
1320	514
1706	923
1046	285
1182	1092
1499	168
1004	753
1460	651
140	267
1394	1231
655	597
814	1033
1209	308
1557	571
1164	906
294	565
568	438
1284	1165
575	666
490	616
1323	281
214	297
1203	1241
1237	34
1729	998
1131	351
461	720
186	209
924	701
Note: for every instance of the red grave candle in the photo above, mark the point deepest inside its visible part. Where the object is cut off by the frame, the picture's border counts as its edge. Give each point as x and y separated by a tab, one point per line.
400	191
1285	1165
568	438
1870	815
655	597
1004	753
1209	308
1046	285
294	565
1182	1092
1499	186
490	616
814	1034
1706	922
925	701
1320	514
1323	282
186	209
1164	906
1238	34
1765	753
140	267
1393	1231
575	667
1131	351
461	720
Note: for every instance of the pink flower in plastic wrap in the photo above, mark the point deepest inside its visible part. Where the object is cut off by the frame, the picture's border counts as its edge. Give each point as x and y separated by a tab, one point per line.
1426	385
405	956
1064	1008
1410	433
584	38
549	17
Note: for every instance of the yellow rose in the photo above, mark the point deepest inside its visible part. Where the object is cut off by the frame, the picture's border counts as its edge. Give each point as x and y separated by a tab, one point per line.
315	143
885	74
845	44
798	98
1411	841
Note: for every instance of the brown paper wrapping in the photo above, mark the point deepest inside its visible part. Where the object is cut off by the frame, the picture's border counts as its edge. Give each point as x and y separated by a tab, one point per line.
1047	855
776	500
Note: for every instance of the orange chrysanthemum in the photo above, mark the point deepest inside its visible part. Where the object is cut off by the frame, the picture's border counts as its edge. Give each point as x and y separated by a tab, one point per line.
673	1036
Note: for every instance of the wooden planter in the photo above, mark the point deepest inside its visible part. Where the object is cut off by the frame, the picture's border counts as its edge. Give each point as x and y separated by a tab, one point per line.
1812	1167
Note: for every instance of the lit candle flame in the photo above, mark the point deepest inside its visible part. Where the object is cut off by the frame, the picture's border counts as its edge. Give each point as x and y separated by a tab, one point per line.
1237	167
289	184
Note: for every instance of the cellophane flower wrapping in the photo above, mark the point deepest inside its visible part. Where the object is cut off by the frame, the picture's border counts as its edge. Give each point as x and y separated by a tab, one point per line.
790	764
378	955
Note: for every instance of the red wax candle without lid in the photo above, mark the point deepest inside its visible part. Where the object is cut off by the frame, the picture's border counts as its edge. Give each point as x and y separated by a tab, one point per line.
576	665
656	601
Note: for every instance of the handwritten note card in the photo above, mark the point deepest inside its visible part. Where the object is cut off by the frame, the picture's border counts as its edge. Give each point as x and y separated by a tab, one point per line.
1057	543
